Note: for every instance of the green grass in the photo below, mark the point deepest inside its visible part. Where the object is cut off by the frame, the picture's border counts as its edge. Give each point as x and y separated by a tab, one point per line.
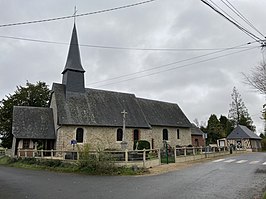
66	167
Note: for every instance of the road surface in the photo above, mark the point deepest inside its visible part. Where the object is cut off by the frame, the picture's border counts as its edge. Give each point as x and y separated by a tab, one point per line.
242	176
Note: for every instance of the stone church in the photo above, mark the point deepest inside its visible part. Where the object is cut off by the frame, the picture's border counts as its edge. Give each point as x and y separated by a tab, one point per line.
78	115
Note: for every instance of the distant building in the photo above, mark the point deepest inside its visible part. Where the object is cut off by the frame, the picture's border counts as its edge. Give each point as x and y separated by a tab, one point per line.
197	137
242	137
84	115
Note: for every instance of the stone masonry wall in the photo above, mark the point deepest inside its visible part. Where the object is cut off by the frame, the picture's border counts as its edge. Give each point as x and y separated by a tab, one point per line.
105	137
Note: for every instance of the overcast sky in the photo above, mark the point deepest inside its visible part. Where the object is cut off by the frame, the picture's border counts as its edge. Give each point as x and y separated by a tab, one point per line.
201	86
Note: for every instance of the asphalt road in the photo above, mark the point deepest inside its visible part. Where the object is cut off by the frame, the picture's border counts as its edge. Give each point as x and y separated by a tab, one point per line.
241	176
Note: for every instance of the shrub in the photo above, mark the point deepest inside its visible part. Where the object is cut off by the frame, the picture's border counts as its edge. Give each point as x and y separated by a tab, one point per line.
141	144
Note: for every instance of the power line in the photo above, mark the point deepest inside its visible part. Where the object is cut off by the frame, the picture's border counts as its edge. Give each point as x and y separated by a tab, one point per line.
115	47
169	69
78	15
230	19
240	15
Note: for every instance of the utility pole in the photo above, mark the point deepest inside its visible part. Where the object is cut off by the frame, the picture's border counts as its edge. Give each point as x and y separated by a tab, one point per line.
124	143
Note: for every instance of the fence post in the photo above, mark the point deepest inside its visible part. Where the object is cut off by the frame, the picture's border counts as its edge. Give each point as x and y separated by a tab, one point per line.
52	153
175	152
200	149
194	151
19	152
159	155
185	151
126	155
42	153
26	153
144	157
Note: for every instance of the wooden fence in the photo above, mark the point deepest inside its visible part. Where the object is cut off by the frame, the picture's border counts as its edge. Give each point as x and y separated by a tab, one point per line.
142	158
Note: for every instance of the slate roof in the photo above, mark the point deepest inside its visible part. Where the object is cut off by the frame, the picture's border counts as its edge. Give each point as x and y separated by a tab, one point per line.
242	132
196	130
33	122
97	108
103	108
163	113
73	59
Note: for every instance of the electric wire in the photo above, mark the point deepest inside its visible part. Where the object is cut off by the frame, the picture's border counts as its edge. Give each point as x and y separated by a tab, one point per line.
168	64
77	15
253	36
174	68
240	15
116	47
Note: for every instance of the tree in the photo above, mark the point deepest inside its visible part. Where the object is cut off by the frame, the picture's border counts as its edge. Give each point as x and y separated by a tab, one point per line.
214	129
238	113
257	78
36	95
226	124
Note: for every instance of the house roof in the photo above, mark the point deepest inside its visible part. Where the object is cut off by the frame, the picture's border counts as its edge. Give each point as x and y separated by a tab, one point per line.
163	113
33	122
242	132
103	108
196	130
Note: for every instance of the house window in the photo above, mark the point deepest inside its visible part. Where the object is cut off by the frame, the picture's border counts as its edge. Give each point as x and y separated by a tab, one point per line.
165	134
177	134
26	144
136	135
79	135
119	134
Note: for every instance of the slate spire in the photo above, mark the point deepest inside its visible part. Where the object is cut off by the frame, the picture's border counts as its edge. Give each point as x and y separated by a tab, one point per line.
73	73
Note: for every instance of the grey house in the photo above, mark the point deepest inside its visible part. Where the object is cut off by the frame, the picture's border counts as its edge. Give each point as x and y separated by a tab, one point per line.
94	116
242	137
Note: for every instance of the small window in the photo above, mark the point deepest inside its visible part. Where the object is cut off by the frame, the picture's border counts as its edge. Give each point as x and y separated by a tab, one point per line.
119	135
79	135
165	134
177	134
136	135
26	144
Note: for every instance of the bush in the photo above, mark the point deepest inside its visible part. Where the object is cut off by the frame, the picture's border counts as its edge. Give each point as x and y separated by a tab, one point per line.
141	144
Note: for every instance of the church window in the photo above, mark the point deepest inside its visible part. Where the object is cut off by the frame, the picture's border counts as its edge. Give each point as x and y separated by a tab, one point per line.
26	144
79	135
165	134
136	135
119	134
177	134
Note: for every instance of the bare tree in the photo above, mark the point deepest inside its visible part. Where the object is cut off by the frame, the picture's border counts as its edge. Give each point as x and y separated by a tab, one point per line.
257	78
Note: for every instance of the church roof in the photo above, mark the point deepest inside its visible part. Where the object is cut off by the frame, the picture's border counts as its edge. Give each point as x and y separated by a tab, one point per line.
97	108
163	113
33	122
103	108
241	132
73	59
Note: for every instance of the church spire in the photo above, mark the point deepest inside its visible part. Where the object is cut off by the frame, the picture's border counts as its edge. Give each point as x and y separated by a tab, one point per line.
73	73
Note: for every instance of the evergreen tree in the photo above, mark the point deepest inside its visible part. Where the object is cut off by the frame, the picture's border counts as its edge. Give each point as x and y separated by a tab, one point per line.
36	95
238	113
226	124
214	129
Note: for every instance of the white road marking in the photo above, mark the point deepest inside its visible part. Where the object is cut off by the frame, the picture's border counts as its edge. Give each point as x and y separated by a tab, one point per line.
264	163
254	162
241	161
230	160
219	160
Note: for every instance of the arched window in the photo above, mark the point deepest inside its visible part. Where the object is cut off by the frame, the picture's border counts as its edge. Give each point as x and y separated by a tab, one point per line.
177	134
79	135
119	134
136	135
165	134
